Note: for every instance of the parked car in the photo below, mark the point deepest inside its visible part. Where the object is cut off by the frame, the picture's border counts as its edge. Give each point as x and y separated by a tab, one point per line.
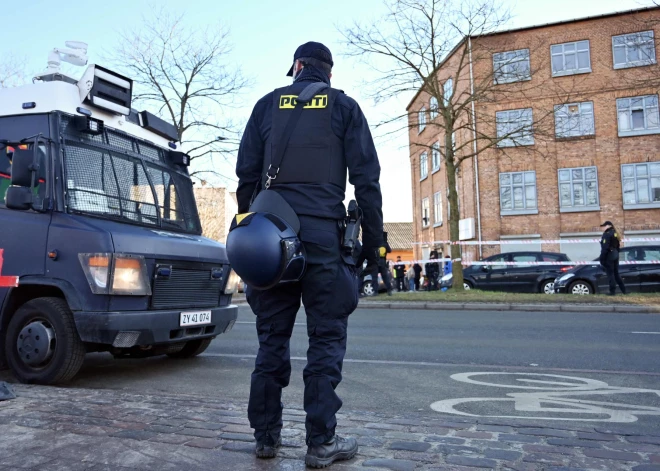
590	279
366	285
515	278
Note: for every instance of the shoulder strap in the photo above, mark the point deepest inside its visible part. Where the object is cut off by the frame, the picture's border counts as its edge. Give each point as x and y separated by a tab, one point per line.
309	92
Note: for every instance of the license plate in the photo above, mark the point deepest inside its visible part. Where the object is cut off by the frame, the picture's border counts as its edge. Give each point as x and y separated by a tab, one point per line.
195	318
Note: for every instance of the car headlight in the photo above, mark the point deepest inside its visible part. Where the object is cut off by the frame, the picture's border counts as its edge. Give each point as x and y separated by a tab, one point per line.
447	277
565	277
232	283
120	274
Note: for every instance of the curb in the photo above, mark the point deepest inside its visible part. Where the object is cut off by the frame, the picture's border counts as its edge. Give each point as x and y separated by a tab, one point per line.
546	307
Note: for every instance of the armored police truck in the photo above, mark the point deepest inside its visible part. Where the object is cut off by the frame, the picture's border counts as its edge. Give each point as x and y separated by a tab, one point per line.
100	239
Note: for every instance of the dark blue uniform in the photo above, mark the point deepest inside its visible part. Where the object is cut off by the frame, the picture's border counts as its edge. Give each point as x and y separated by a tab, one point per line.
329	289
609	259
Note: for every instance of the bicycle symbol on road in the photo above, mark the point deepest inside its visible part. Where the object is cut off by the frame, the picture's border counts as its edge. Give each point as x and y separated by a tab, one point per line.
552	397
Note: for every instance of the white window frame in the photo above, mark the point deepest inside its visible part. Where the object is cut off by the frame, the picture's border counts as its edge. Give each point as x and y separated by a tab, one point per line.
559	50
503	61
638	178
649	107
426	213
423	165
448	90
572	181
524	184
421	120
583	111
436	158
437	209
433	108
628	42
522	134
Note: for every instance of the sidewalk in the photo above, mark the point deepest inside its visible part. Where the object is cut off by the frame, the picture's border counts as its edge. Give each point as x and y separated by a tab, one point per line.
49	429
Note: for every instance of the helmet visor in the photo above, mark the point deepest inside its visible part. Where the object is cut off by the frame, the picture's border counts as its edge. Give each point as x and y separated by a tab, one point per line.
293	253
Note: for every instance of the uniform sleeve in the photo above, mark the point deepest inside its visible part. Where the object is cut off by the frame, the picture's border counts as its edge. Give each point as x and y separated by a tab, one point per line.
364	174
250	159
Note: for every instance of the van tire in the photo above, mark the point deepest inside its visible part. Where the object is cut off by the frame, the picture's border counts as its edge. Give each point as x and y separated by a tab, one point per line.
67	351
192	349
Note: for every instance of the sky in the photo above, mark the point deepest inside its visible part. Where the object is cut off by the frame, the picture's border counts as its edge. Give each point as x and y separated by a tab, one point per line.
265	35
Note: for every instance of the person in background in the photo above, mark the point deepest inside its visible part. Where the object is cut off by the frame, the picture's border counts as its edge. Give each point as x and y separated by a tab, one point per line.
410	278
432	270
399	274
417	268
609	256
447	267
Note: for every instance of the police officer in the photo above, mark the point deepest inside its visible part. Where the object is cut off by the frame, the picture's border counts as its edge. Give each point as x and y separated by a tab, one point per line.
331	138
433	271
609	256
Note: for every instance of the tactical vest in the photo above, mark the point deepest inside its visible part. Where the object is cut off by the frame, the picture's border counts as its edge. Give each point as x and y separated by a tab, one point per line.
314	153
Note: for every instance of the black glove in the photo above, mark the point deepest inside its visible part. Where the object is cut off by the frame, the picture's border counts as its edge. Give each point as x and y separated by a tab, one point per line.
371	255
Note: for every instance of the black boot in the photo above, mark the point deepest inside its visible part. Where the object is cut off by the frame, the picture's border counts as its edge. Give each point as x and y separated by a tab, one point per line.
267	447
336	449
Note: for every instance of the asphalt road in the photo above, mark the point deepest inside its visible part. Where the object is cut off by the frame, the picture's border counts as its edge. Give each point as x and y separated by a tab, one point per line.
579	369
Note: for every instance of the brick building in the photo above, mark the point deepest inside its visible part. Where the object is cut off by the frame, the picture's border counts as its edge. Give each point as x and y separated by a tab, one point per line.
580	101
217	207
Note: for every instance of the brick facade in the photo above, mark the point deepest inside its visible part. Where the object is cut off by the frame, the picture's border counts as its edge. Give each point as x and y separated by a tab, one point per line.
604	149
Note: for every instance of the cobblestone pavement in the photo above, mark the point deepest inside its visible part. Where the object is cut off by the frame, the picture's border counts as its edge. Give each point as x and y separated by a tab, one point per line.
49	429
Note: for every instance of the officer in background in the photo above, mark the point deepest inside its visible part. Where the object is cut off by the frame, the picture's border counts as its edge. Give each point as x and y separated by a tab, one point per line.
432	271
400	274
609	256
329	139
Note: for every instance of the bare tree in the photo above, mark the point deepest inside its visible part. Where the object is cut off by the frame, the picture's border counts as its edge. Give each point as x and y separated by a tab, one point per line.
437	49
13	71
182	74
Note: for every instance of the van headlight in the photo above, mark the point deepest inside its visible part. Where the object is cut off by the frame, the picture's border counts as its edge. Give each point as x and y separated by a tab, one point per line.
232	283
120	274
447	277
565	277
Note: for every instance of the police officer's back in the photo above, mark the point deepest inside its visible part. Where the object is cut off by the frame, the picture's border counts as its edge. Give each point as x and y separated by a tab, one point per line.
331	139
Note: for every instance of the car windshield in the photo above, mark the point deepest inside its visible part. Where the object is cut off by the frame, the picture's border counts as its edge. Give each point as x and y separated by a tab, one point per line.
115	176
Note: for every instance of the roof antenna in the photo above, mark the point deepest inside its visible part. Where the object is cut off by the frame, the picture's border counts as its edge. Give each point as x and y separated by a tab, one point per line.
74	53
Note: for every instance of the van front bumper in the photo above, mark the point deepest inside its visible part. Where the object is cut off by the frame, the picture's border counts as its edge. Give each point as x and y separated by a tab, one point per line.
140	328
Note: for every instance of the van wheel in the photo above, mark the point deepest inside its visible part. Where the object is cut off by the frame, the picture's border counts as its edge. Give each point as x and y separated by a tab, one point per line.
42	345
191	349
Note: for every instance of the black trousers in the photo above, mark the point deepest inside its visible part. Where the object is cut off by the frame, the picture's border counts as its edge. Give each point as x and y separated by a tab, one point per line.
612	270
381	269
417	280
329	292
401	283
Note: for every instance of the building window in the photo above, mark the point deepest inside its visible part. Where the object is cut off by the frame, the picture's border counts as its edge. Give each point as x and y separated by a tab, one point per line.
641	185
578	189
433	108
518	193
448	90
421	119
633	50
437	208
574	119
570	58
638	115
511	66
514	128
423	166
435	157
425	213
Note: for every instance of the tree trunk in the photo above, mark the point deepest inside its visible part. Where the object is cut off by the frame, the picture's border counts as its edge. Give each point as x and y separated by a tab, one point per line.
454	217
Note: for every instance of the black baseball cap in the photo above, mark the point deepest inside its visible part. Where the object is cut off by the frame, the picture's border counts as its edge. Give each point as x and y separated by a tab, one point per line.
607	223
314	51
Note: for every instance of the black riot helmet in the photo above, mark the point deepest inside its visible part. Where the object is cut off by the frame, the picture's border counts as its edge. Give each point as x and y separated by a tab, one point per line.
264	250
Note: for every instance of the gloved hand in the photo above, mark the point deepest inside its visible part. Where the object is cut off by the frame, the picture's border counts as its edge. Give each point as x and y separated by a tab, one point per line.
382	252
371	255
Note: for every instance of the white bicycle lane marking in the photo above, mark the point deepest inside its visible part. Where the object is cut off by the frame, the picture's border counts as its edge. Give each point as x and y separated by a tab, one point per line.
552	395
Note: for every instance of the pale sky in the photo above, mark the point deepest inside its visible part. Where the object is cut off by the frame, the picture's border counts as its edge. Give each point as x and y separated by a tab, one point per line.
265	34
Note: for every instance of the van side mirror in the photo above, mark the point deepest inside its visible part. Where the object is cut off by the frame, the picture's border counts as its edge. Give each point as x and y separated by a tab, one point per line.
18	197
22	167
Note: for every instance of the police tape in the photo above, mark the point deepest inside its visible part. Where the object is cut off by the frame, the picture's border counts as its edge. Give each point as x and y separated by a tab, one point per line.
533	241
568	263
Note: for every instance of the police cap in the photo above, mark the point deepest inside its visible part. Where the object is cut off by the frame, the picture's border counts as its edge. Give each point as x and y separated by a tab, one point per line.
314	51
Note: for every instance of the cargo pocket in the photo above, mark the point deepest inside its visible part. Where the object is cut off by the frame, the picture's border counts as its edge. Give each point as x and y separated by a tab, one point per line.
347	289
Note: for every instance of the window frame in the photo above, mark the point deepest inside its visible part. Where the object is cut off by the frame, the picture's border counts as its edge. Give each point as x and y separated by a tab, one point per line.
580	118
638	132
433	111
575	71
426	207
630	64
437	198
497	71
435	150
585	207
520	211
421	123
637	205
513	141
423	166
447	96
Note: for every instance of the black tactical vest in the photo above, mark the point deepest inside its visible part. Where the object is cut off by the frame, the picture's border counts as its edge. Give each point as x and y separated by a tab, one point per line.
314	153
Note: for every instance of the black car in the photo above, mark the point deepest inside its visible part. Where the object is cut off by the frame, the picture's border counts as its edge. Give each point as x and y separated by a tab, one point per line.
590	279
521	278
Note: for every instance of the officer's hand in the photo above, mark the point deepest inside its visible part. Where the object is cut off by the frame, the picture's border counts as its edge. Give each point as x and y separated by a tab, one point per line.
371	255
382	251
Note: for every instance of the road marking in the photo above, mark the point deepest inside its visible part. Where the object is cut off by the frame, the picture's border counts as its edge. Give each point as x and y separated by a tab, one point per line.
447	365
254	323
555	397
649	333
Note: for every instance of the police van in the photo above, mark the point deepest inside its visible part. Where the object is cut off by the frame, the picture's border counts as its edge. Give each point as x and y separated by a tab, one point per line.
100	239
